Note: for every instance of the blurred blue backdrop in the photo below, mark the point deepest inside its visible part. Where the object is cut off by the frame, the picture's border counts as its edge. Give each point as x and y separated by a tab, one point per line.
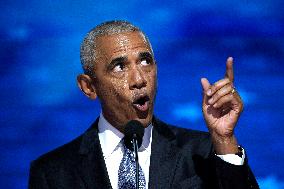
42	108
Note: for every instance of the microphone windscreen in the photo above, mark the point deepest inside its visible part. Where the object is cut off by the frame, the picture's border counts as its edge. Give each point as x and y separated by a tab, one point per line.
133	129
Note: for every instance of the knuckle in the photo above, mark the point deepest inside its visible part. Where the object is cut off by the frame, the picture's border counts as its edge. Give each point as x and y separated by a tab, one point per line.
216	105
216	96
216	84
223	91
229	89
213	87
228	81
222	82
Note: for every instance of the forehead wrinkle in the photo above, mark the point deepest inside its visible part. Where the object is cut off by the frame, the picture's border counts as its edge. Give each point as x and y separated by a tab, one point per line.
131	46
121	43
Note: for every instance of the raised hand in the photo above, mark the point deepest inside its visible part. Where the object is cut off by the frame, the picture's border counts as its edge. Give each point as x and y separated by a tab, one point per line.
221	108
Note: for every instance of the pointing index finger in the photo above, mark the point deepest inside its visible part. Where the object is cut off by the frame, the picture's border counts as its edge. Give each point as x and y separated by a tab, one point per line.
229	69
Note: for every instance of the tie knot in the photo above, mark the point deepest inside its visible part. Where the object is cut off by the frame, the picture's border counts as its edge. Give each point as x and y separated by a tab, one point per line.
127	150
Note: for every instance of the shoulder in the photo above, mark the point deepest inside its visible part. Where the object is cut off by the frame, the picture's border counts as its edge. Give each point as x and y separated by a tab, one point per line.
66	154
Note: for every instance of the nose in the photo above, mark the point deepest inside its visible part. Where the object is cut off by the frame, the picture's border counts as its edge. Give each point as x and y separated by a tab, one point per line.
137	79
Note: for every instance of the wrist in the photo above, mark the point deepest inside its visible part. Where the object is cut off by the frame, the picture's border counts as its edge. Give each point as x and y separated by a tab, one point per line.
224	144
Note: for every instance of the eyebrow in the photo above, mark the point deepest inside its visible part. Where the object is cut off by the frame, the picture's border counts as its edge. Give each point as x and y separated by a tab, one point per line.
122	59
145	55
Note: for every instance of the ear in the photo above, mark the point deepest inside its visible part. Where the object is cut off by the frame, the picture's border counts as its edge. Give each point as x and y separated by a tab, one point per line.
86	86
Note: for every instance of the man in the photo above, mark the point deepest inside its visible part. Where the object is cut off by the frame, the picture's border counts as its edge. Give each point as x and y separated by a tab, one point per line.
120	70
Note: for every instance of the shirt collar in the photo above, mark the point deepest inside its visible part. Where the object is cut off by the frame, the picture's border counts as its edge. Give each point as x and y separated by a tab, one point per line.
110	137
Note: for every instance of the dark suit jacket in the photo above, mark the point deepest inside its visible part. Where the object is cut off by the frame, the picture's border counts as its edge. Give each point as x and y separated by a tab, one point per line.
180	158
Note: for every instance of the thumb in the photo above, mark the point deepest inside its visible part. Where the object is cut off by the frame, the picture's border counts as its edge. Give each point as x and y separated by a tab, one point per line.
205	85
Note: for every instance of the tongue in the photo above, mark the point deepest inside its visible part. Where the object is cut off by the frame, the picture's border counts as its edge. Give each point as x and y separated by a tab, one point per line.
141	107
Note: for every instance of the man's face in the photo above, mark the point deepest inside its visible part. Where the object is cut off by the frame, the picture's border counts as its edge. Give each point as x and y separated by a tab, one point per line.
125	79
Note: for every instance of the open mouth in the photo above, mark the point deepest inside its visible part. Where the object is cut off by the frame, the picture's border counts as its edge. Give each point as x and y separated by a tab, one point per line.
141	103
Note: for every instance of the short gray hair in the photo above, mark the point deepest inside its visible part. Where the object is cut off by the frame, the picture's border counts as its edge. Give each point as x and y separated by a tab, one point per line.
88	52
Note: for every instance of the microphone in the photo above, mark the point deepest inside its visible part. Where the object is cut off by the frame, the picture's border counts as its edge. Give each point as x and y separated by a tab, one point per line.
133	130
133	135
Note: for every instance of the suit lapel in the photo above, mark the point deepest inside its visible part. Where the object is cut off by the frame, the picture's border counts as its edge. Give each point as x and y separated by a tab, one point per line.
163	156
91	167
163	161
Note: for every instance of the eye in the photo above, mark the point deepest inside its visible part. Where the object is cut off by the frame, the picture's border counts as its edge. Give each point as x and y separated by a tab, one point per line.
118	67
145	62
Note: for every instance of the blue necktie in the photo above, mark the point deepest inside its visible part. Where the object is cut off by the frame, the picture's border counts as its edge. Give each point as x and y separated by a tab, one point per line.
127	172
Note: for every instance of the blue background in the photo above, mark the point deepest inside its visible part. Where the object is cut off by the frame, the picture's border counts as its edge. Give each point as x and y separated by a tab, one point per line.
42	108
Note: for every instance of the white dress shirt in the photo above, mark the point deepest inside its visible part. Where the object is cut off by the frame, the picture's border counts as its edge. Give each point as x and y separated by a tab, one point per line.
112	147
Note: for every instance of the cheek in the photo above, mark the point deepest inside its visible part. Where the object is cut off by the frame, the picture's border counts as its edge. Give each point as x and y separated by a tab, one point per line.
120	84
152	79
113	91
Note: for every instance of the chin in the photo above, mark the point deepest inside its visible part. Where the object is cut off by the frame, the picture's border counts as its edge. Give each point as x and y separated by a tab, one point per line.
146	119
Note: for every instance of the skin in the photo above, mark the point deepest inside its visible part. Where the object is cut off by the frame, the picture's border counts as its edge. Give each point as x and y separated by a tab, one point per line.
122	74
124	70
221	110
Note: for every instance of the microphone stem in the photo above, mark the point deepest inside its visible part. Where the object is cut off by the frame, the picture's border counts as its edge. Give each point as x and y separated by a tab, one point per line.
135	147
